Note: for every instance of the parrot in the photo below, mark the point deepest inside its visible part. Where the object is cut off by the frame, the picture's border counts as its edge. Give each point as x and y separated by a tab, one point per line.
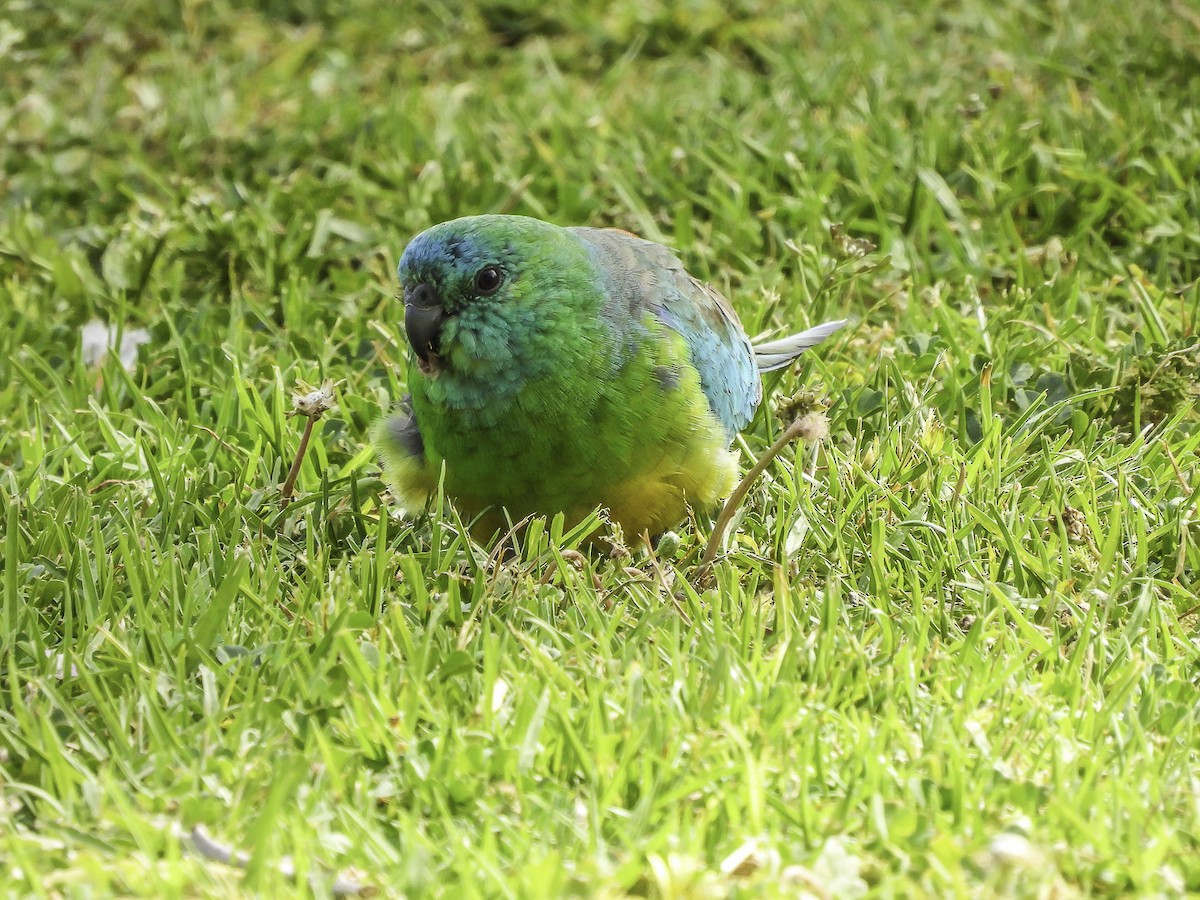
562	369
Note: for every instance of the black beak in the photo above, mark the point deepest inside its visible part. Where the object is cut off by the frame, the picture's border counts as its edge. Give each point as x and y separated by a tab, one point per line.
423	317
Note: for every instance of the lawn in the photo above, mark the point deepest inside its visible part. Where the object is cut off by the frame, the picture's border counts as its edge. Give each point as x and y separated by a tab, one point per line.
951	650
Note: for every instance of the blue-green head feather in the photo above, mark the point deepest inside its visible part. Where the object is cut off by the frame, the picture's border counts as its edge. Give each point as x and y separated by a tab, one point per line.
487	298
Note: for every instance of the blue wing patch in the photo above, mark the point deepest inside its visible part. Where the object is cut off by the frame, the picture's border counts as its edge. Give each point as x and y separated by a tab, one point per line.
647	277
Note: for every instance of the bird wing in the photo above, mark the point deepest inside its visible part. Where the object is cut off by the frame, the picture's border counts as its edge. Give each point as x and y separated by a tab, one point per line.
402	454
647	277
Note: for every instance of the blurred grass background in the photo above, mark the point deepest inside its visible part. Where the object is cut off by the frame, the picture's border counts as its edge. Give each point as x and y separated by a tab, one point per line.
915	674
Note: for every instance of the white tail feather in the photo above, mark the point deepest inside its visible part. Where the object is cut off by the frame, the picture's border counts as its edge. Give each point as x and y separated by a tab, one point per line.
772	355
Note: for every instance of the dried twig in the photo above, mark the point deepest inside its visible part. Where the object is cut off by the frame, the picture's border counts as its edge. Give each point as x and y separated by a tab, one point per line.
809	424
312	403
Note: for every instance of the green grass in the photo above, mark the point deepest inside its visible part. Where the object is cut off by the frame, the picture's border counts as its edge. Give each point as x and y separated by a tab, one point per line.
912	675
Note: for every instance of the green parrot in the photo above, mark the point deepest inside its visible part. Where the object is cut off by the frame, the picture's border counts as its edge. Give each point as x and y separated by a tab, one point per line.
564	369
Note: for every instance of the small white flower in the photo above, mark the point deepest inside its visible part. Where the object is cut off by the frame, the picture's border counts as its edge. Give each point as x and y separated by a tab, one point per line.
313	402
1011	849
98	339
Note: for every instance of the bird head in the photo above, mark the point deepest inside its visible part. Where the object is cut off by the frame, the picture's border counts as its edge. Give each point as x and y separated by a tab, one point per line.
476	289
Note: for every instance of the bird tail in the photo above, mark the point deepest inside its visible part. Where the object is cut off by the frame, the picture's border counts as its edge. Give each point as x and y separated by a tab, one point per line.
772	355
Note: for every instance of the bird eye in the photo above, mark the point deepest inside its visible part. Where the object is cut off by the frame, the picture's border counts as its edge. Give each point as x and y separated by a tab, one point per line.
488	280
